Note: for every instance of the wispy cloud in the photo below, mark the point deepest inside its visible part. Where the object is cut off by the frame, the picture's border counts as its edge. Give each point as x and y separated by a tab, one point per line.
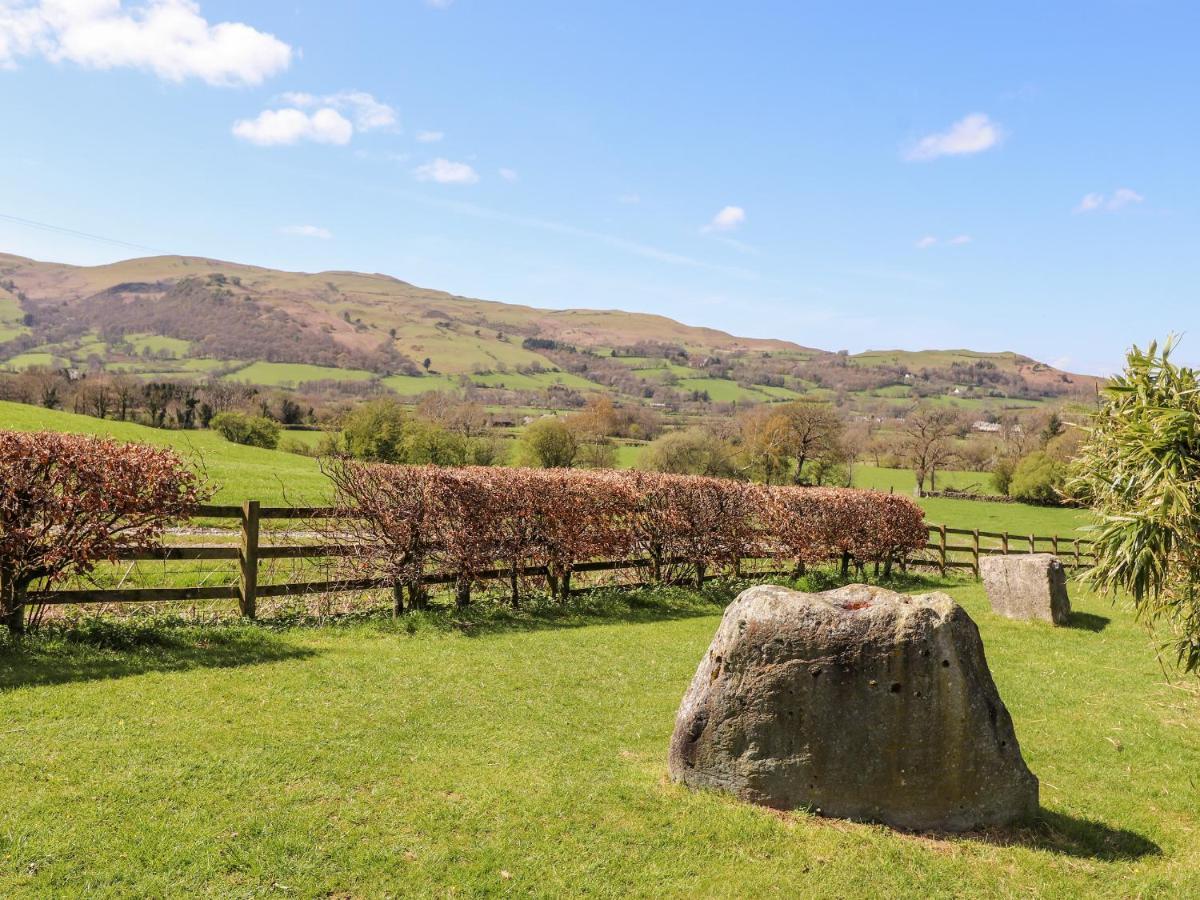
367	112
729	218
430	137
439	4
971	134
625	245
167	37
629	199
276	127
443	171
308	231
928	241
509	174
1114	202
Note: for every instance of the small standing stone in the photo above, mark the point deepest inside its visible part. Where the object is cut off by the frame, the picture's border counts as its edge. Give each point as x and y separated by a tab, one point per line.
1027	586
859	703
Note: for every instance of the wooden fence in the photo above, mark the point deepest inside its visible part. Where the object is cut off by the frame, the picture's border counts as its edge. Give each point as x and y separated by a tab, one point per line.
1075	553
250	551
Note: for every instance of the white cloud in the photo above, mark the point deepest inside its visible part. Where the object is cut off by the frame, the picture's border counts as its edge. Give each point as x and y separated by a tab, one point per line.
509	174
727	219
929	240
630	199
273	127
1123	197
309	231
443	171
971	134
367	112
430	137
167	37
439	4
1118	200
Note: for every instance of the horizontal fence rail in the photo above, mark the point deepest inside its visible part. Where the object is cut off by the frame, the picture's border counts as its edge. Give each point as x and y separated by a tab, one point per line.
940	553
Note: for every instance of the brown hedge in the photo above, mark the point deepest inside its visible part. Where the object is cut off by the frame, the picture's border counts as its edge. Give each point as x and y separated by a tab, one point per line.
407	520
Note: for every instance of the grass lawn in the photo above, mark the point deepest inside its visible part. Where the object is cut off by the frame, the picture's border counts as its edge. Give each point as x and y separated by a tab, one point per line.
270	476
525	753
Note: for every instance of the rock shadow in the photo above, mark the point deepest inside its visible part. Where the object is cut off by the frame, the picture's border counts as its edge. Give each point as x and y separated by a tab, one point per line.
1071	836
1088	621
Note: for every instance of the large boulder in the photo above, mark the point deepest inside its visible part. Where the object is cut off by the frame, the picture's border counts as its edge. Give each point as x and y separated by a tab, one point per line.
1027	586
859	703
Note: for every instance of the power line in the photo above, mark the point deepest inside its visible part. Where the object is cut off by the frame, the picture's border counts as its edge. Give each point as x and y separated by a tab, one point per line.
46	226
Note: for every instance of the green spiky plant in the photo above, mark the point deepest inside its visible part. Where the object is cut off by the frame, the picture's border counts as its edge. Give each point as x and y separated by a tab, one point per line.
1140	470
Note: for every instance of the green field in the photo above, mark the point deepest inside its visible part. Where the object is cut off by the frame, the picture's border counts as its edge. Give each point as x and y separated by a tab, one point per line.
276	477
415	385
155	343
240	473
35	358
496	753
540	381
1018	518
289	375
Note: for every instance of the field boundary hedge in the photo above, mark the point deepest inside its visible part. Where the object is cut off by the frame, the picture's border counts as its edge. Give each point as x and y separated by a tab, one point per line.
668	529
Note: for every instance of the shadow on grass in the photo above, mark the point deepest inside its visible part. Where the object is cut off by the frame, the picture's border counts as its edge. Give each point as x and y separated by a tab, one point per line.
1072	836
1088	621
100	648
491	612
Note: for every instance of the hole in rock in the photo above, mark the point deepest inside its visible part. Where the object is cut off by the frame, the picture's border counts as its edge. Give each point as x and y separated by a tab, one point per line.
895	687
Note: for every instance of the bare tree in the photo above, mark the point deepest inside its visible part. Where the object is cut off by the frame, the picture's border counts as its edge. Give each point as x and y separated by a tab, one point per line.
928	431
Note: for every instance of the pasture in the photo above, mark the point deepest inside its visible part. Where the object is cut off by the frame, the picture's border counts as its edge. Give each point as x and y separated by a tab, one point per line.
491	751
278	478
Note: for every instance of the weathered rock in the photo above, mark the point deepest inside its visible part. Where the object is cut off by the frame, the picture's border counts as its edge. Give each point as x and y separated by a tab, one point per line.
859	703
1027	586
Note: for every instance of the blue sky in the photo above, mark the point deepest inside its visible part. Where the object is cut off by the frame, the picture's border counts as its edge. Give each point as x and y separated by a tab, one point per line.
845	175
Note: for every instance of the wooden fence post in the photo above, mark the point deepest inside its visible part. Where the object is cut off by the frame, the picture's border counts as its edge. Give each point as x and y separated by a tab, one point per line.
942	549
1032	544
1054	544
975	549
1004	542
248	559
1078	564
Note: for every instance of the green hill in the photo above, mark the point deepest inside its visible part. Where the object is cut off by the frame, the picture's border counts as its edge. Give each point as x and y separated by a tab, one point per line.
176	318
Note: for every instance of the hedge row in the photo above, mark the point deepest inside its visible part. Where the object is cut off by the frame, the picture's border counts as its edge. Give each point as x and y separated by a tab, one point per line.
408	520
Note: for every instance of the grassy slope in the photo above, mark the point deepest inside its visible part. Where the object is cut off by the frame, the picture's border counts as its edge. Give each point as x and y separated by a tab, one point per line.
275	477
365	760
240	473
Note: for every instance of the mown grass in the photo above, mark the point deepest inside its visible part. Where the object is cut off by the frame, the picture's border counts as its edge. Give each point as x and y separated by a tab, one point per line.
524	752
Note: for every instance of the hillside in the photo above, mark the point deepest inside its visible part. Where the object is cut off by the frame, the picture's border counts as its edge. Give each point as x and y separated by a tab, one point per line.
174	317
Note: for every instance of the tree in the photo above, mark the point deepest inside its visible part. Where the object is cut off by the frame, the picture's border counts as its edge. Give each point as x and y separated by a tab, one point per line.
548	443
928	430
69	501
764	438
375	432
695	451
1038	478
1139	469
814	433
249	431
